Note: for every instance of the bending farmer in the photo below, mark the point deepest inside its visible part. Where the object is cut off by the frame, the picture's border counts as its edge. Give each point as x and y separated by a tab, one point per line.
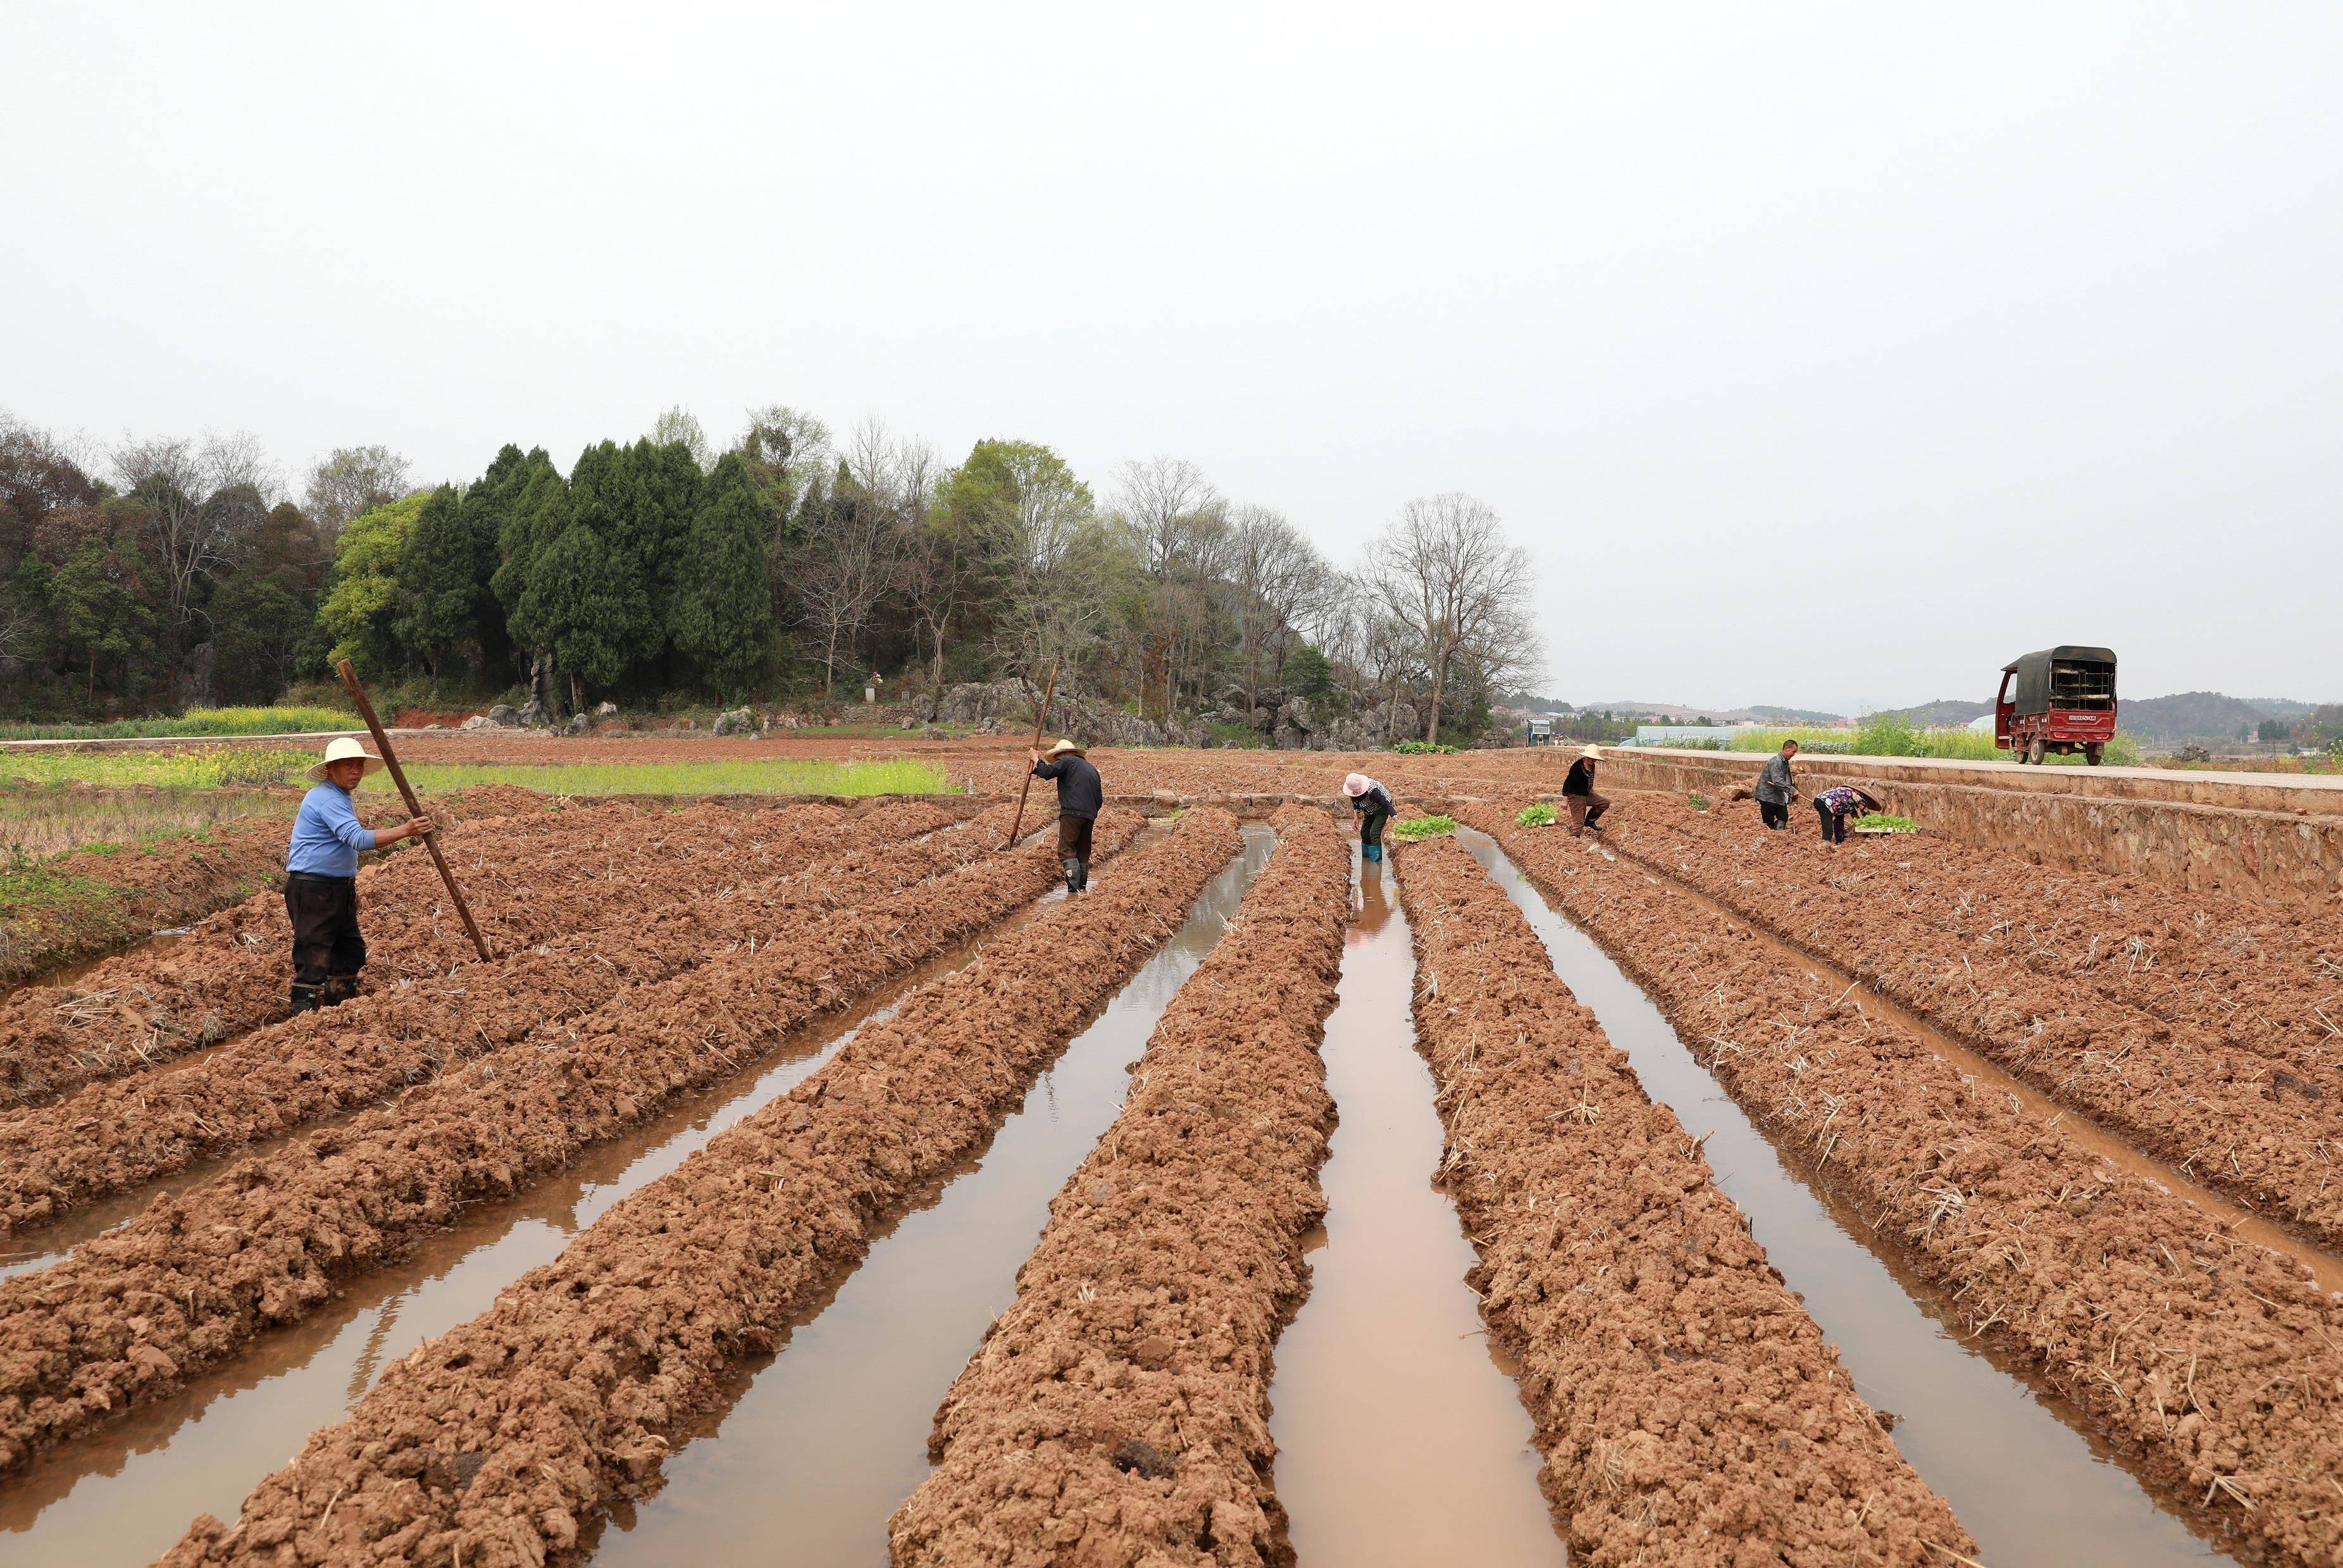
321	878
1578	791
1079	795
1372	802
1777	788
1836	805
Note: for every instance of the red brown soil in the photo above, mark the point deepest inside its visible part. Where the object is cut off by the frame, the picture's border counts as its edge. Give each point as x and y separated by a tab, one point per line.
1118	1414
498	1440
113	1134
2214	1366
170	883
527	878
1688	1408
2165	1015
129	1315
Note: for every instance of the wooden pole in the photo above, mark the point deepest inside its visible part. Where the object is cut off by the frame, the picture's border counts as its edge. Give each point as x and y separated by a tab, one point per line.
1039	723
413	807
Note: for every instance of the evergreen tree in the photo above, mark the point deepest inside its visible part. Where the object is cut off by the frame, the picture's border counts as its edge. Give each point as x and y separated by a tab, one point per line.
433	617
583	603
361	607
96	610
720	611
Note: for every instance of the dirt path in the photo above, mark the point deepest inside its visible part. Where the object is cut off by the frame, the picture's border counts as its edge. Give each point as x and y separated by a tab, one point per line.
108	1136
1118	1411
2005	973
1686	1404
128	1316
500	1438
2214	1366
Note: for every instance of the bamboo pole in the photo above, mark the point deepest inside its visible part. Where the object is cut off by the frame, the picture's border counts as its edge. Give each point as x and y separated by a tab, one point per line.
413	807
1041	722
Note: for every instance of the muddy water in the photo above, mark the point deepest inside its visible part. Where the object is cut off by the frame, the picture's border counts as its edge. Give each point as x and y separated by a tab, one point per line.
126	1494
822	1442
1400	1436
2013	1460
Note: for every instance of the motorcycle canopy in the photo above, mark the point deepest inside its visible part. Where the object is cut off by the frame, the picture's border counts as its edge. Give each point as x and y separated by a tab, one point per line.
2067	676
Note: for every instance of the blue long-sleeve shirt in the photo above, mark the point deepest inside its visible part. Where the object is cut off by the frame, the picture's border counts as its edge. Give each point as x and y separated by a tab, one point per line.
327	837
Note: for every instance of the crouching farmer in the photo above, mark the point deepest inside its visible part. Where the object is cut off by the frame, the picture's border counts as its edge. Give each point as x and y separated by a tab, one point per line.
1080	796
1372	802
321	878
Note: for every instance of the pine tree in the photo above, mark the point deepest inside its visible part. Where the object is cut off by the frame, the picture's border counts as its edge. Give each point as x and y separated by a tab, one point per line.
434	619
585	606
720	612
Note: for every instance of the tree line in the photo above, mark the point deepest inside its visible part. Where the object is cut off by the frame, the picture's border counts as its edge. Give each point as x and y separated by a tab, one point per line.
162	573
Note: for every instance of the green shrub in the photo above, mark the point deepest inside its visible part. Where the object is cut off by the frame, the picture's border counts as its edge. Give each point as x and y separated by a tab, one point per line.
1539	815
196	721
1417	829
1423	749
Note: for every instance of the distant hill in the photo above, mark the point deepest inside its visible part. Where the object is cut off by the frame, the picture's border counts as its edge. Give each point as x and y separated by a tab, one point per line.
2191	716
1795	715
2279	707
1945	713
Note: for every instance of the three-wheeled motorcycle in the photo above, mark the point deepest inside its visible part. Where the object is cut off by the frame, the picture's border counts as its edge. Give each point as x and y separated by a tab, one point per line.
2059	700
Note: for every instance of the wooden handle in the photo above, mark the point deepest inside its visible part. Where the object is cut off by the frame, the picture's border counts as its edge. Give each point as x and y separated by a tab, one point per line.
1041	722
413	807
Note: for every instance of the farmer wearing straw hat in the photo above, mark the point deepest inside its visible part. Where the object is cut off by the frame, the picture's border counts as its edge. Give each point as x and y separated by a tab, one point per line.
1372	802
321	872
1578	791
1080	796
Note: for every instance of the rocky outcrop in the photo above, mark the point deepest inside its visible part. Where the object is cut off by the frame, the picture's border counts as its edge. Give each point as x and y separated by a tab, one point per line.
1005	705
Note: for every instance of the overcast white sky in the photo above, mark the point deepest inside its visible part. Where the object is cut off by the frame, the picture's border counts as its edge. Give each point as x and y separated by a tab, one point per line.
1826	356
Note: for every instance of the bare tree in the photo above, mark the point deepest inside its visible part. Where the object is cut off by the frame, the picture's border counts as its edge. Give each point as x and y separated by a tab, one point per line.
1445	571
348	482
787	443
679	426
1178	524
203	496
845	565
1277	577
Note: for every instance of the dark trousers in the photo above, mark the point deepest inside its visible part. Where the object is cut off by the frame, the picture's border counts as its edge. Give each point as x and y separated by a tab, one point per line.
1774	813
1834	825
1074	845
1585	809
1371	828
327	952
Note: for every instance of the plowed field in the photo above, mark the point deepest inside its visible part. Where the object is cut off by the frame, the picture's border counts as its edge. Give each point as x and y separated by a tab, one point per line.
2091	1125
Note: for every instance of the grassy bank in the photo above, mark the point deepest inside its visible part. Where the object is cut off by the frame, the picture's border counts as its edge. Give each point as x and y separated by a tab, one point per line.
1893	737
51	820
194	722
214	768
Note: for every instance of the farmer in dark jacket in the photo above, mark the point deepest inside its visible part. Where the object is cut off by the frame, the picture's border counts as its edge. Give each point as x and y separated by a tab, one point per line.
1777	788
1372	802
1080	796
321	878
1578	791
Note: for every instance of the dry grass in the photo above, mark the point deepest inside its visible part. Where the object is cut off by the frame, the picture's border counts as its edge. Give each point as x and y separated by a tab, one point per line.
37	823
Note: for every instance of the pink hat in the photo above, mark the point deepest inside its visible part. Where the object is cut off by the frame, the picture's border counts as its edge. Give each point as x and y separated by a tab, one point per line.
1356	785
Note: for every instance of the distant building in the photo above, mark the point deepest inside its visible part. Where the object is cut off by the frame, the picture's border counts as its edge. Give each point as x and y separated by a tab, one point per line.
1676	734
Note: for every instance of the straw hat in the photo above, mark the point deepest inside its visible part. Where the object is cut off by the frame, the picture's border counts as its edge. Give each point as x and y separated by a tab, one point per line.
1063	749
1593	753
342	750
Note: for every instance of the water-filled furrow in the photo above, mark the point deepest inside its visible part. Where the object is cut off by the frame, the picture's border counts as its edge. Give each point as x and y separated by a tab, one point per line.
2014	1460
1400	1435
818	1443
126	1495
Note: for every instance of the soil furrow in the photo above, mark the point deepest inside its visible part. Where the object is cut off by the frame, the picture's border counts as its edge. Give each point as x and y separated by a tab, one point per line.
127	1316
496	1441
1119	1412
1688	1408
2224	1115
110	1135
2257	979
2215	1367
527	877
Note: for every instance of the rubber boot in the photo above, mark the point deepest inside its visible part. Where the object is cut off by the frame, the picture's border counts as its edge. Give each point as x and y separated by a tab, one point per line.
1082	878
305	998
338	989
1073	876
1372	851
